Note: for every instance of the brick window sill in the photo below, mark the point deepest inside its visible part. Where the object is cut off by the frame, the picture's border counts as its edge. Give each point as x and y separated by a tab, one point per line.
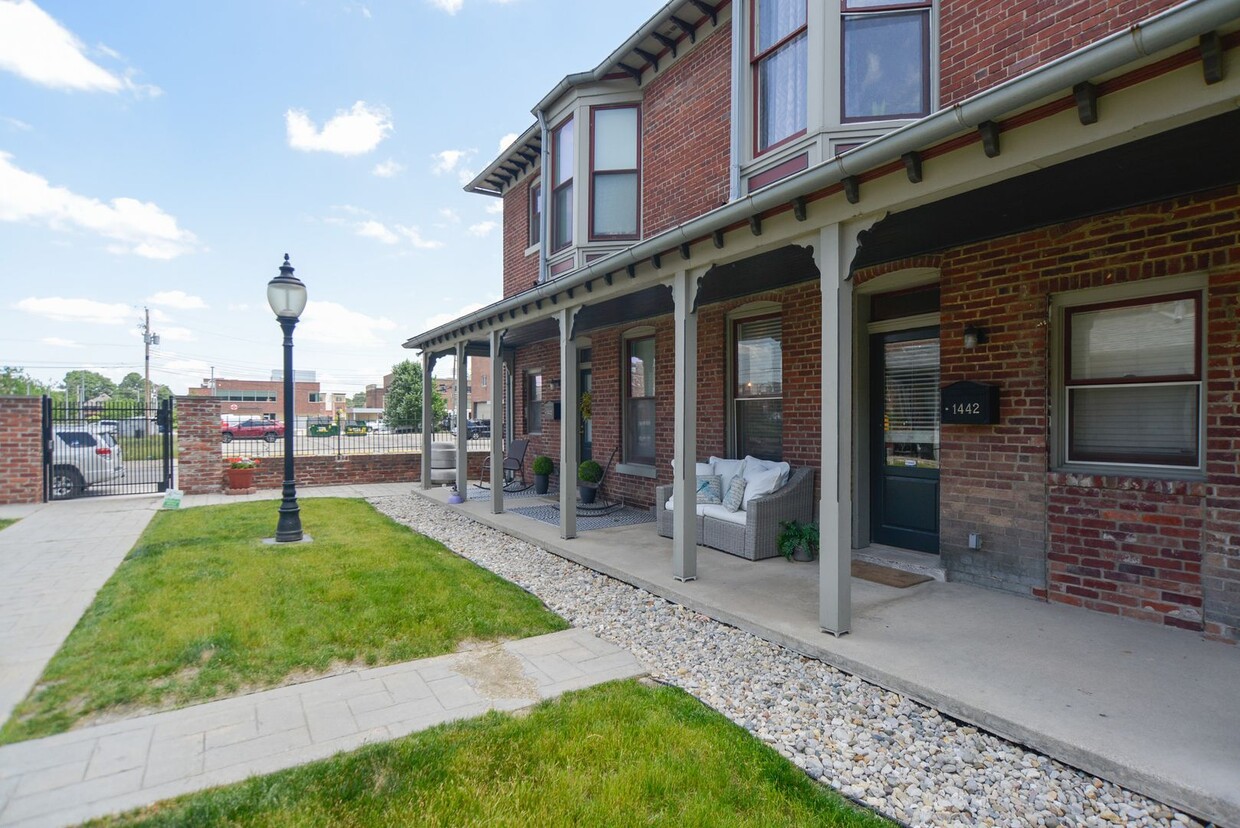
1127	483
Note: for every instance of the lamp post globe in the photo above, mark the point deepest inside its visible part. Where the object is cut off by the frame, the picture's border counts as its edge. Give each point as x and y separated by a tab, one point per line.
287	296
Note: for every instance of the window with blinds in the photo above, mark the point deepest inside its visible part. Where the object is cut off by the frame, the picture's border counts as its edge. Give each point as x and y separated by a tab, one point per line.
911	403
639	402
1132	381
758	389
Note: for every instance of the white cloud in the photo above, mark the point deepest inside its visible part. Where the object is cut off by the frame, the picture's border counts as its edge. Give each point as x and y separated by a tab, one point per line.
506	141
36	47
237	307
60	309
17	125
415	238
482	228
57	342
176	334
136	227
388	169
376	230
178	299
449	215
334	324
496	207
350	132
438	319
447	160
465	176
449	6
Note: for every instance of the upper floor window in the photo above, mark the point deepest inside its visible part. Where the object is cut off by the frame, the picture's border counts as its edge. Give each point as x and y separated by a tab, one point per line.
535	213
1132	381
779	46
562	186
316	397
885	59
614	172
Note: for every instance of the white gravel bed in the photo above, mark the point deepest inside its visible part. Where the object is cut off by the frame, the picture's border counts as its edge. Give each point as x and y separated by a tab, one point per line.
897	756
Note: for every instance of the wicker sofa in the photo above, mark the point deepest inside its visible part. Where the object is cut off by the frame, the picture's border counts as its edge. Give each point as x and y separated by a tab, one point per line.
751	533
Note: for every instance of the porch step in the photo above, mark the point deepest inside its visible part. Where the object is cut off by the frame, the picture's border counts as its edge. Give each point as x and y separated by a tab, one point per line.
906	560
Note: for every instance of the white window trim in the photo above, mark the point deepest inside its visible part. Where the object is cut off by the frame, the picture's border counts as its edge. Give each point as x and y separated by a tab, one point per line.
624	466
1058	392
740	314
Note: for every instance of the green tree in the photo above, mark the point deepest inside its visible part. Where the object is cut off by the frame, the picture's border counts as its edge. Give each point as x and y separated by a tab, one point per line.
403	405
15	380
359	400
130	388
92	384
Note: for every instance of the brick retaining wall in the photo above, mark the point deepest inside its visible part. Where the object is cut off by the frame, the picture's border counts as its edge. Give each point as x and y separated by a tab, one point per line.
21	437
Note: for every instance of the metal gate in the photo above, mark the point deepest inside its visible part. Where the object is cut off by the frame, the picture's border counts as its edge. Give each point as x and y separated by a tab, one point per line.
114	448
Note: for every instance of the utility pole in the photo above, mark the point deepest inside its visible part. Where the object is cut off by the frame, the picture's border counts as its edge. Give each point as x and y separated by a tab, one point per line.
148	339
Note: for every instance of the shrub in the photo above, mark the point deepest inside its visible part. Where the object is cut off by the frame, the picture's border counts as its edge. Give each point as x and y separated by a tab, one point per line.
543	465
794	534
589	472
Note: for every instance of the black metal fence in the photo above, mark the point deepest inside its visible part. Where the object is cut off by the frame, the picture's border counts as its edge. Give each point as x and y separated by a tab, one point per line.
338	440
111	448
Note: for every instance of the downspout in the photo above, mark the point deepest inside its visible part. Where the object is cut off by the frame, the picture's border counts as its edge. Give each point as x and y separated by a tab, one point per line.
544	223
734	128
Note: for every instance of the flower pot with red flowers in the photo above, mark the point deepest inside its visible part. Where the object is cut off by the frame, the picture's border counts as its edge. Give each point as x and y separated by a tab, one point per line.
240	472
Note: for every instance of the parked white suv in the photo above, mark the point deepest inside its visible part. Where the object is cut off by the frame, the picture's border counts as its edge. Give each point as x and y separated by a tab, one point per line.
83	455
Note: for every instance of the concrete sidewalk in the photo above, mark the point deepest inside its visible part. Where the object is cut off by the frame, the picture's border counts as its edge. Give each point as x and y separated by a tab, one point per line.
95	771
1150	708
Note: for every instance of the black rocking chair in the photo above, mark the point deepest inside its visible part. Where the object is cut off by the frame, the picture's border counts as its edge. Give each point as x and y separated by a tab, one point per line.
513	468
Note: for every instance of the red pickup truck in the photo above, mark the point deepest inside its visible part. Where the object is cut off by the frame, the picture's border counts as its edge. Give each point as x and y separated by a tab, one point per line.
269	430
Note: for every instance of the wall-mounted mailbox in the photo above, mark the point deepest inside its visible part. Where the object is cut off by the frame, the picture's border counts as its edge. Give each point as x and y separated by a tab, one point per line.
551	410
970	403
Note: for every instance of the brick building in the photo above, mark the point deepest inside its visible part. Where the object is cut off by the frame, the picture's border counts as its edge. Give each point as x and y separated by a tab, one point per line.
265	398
977	265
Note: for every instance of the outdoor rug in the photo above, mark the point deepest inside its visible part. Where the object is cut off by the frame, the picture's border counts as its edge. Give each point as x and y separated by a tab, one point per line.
886	575
624	516
476	493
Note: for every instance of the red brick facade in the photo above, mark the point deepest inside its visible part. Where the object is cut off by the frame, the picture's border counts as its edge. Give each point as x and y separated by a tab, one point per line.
685	136
198	446
983	44
21	435
302	406
520	270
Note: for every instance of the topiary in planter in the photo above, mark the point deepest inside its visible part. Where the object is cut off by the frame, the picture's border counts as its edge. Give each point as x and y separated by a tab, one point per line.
542	474
589	474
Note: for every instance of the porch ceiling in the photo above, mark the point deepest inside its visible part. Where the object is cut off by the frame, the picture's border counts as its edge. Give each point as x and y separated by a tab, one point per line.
776	269
644	304
1185	160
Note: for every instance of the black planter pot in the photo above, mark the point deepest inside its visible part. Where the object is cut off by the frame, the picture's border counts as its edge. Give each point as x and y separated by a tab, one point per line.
802	554
586	492
541	483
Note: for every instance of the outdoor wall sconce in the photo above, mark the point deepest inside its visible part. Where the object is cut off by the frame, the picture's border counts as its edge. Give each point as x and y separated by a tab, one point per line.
553	385
974	336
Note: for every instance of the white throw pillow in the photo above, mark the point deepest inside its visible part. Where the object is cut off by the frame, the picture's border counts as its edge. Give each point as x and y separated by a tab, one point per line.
735	497
763	483
727	469
756	465
701	468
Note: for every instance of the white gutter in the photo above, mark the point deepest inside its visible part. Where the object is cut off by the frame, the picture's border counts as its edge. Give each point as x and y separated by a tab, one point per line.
1162	31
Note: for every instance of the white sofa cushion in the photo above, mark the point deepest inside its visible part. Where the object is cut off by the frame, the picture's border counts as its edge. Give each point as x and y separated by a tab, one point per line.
721	513
727	469
700	506
762	483
756	465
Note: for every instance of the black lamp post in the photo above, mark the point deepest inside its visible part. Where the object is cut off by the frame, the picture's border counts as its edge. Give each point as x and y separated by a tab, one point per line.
287	297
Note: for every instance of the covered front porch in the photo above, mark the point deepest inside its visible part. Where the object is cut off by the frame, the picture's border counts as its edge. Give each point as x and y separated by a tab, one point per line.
1146	708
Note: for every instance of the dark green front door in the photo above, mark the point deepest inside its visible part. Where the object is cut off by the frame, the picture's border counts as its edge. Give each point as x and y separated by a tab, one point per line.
905	451
585	383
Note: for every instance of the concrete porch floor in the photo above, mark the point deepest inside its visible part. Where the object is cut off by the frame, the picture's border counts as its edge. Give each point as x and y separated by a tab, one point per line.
1149	708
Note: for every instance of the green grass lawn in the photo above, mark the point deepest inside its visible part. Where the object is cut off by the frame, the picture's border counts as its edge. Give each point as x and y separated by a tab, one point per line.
144	448
7	522
201	608
618	754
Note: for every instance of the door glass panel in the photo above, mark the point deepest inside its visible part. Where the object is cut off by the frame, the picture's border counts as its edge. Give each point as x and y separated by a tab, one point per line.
911	404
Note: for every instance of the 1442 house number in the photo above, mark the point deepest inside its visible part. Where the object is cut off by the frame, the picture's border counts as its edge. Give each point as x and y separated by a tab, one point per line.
966	408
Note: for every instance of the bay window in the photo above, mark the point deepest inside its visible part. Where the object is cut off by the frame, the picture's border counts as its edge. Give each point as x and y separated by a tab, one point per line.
614	172
885	70
779	46
758	389
639	402
535	213
562	186
1132	381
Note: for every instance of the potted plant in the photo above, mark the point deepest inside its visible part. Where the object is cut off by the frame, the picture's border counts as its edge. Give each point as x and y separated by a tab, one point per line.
798	541
589	473
240	472
542	473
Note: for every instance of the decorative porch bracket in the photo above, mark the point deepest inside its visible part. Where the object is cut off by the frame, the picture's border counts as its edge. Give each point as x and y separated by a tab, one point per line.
835	508
684	443
428	414
462	420
498	414
569	426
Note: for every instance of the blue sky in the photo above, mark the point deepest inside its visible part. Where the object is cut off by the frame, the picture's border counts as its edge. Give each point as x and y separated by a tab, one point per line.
169	153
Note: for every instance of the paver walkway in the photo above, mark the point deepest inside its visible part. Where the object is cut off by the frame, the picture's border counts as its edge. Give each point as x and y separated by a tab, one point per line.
99	770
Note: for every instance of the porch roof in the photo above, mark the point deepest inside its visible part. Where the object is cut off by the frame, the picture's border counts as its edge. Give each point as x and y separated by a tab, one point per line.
973	119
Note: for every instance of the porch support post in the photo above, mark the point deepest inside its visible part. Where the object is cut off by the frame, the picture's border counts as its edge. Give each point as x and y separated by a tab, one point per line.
462	420
497	422
569	430
684	442
428	414
835	508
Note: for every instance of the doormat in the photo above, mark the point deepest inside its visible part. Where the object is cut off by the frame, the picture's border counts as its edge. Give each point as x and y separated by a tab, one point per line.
625	516
887	576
